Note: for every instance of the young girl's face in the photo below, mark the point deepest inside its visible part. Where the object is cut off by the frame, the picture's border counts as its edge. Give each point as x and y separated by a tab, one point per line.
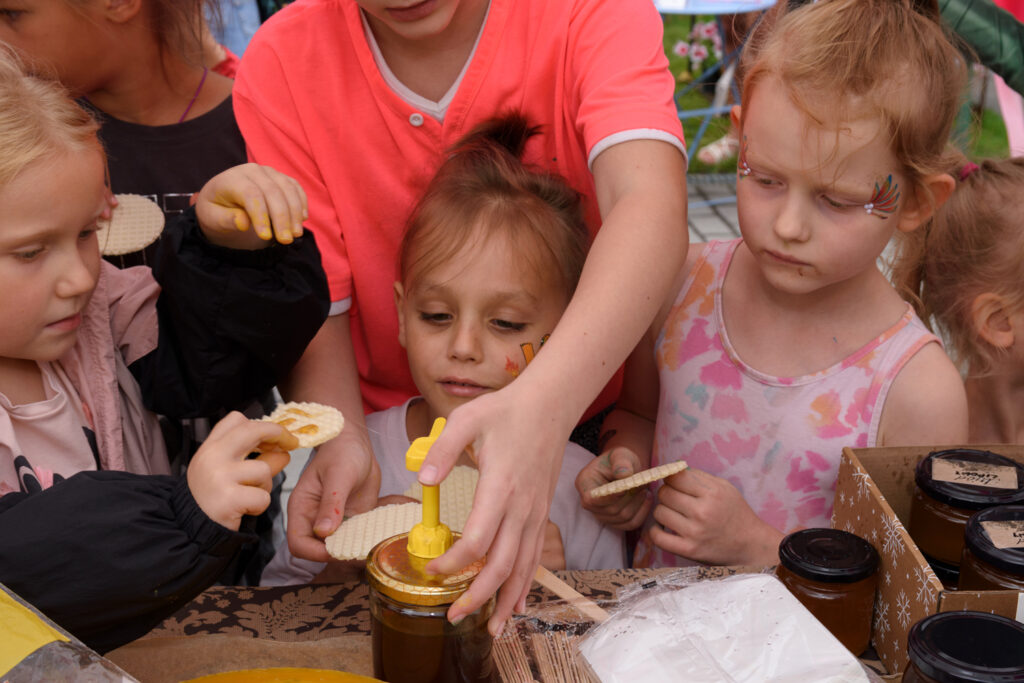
57	39
464	322
49	256
816	207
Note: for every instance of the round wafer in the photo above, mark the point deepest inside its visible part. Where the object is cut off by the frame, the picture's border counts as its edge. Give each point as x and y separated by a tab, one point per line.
311	423
134	224
639	479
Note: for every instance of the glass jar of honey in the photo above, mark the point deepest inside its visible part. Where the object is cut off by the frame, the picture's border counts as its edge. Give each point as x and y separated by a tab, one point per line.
413	642
965	647
833	573
951	486
994	561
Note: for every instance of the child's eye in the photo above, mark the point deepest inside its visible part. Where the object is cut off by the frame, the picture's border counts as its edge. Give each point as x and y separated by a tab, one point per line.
508	325
762	180
435	318
28	254
835	203
86	233
11	15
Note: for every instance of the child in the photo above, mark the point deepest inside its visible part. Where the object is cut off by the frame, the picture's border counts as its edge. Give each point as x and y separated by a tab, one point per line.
970	281
143	68
95	533
360	100
783	347
488	262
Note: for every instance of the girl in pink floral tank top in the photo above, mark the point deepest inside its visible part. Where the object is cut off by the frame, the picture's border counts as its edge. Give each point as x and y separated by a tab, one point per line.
776	439
777	350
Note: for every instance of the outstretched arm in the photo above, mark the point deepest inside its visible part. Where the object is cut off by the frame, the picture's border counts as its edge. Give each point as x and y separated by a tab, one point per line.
519	433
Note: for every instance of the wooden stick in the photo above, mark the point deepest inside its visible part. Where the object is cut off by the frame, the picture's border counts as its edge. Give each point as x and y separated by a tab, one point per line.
583	604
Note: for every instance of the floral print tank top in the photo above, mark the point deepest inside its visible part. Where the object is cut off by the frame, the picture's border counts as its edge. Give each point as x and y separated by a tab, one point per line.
777	439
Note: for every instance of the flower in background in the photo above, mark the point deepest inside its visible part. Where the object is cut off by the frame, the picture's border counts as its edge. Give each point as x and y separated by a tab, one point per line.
681	48
693	44
698	53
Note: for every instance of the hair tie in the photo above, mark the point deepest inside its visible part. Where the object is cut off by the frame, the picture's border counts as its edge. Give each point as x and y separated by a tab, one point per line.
968	168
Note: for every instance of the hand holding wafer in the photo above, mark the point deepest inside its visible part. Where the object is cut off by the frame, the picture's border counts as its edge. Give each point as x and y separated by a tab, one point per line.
613	488
224	483
248	206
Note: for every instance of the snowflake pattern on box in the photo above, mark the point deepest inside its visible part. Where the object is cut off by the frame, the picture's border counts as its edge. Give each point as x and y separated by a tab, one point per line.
892	541
903	609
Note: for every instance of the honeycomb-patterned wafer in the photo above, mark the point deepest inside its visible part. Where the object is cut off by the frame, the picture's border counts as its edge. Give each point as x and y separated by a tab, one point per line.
357	535
311	423
134	224
639	479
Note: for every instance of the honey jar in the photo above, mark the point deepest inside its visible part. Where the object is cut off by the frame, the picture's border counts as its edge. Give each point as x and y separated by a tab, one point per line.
964	647
993	556
951	486
413	642
833	573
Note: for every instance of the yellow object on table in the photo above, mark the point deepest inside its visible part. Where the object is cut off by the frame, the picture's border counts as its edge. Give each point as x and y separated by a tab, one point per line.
284	675
22	632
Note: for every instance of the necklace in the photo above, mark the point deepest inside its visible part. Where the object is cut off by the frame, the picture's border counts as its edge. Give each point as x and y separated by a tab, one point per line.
195	95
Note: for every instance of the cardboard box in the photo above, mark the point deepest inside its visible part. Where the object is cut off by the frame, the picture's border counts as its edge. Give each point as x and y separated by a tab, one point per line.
873	495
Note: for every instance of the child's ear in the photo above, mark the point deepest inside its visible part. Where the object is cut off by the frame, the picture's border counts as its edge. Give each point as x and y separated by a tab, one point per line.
399	304
992	320
918	208
120	11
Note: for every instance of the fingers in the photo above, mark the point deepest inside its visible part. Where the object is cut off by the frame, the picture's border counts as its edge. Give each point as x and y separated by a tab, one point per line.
276	460
254	197
445	452
303	505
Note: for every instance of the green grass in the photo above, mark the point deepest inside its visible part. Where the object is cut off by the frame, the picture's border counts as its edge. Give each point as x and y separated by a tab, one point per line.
987	136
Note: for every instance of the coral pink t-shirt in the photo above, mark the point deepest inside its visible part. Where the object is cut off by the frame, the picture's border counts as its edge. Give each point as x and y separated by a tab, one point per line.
777	439
312	102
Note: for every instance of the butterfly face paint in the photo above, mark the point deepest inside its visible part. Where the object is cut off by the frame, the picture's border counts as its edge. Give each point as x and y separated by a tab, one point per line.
884	201
511	367
527	347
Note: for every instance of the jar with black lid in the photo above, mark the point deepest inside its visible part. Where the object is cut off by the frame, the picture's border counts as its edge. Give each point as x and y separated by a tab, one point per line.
986	566
833	573
965	647
940	509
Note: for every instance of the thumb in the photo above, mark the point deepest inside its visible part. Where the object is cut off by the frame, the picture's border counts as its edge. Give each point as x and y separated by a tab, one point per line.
623	463
444	453
276	459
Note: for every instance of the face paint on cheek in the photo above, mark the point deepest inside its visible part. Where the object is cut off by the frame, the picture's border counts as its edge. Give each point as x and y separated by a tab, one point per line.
527	348
511	367
884	201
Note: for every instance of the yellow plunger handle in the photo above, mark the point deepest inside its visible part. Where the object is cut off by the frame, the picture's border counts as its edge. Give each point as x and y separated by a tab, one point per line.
429	538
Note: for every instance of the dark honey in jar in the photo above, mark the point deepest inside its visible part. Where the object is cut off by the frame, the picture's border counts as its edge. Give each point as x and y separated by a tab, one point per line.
833	573
413	642
965	647
993	556
940	509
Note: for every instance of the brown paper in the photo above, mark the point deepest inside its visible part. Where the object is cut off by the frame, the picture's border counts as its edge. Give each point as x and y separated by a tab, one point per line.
974	473
173	659
1006	534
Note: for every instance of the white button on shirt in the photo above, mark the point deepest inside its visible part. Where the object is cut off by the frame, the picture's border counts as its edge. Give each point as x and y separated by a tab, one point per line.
416	119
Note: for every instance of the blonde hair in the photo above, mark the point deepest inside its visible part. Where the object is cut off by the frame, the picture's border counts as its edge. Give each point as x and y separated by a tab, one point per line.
886	59
973	244
483	191
37	120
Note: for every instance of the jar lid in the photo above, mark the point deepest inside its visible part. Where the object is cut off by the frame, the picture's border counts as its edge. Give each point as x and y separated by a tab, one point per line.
828	555
1010	560
393	571
964	647
968	495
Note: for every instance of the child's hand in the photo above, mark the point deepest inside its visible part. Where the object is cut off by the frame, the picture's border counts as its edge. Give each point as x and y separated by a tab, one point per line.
624	511
705	518
247	206
226	485
553	554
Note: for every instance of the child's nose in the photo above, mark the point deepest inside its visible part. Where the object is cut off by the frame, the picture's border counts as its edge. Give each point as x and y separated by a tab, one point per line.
791	225
76	278
466	344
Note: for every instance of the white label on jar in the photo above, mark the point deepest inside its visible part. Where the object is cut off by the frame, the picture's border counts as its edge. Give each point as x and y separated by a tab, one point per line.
974	473
1005	534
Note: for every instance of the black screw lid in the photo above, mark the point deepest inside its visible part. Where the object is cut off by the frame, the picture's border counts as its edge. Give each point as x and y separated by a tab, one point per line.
1009	560
967	495
828	555
968	647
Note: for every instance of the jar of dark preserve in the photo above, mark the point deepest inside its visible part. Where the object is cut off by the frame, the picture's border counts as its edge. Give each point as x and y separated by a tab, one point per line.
988	567
833	573
939	510
413	642
965	647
